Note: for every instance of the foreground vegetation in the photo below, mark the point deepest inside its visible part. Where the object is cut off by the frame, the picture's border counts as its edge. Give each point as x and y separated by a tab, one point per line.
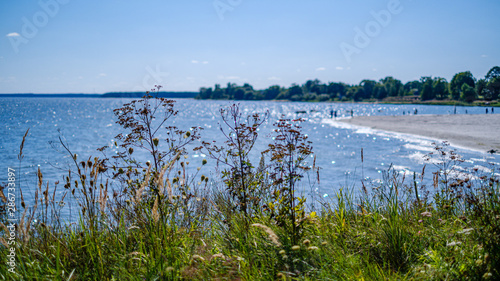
463	88
249	223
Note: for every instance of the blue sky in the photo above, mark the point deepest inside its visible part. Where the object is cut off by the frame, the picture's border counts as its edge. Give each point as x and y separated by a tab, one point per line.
75	46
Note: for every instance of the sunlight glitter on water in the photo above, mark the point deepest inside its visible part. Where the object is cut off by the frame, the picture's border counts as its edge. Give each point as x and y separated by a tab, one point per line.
337	145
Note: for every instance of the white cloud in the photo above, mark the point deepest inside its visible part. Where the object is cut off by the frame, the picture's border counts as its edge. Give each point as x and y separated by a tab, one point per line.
13	34
102	74
484	56
339	68
321	69
197	62
80	77
374	69
222	77
274	78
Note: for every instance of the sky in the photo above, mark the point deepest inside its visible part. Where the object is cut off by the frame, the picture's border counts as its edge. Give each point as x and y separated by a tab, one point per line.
91	46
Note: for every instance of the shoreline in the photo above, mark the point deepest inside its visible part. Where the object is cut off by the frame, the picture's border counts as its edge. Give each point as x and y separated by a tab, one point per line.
478	132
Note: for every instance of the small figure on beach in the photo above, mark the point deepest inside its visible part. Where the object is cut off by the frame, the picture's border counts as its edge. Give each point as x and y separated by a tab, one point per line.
331	113
466	111
486	111
416	111
352	113
455	109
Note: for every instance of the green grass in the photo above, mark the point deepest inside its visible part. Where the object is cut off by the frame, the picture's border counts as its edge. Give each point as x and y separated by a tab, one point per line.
377	236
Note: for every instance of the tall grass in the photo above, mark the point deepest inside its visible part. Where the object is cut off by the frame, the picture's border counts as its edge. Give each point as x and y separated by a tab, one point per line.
162	223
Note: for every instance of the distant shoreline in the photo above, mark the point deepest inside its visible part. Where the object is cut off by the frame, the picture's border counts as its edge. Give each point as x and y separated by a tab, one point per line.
105	95
479	132
192	95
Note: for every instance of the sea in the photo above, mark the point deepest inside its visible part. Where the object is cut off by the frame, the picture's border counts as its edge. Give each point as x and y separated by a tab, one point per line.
348	156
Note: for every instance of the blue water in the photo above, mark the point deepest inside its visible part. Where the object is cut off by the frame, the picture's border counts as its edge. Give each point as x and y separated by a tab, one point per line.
87	124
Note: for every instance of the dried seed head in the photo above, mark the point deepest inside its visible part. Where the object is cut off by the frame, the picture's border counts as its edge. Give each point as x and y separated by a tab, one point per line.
426	214
220	256
198	257
272	236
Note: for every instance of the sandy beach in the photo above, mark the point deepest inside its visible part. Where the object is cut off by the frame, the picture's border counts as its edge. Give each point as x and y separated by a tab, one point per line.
479	132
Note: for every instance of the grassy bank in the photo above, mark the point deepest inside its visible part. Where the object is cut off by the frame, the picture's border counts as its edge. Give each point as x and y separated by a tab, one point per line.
249	223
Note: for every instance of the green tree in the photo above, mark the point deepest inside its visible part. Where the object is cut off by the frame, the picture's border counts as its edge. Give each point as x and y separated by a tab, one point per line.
458	80
481	88
412	87
427	91
355	93
493	83
205	93
335	90
493	88
295	93
239	94
272	92
368	86
392	86
230	91
380	91
218	93
440	88
467	93
310	85
493	73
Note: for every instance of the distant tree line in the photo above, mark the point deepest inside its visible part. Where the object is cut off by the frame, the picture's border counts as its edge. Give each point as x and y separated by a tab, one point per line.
462	87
